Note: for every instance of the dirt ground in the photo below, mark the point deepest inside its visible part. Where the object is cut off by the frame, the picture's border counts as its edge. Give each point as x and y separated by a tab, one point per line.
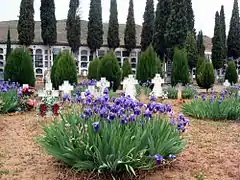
212	152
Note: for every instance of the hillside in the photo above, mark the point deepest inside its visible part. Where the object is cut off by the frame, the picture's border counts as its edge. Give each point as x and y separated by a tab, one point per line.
61	33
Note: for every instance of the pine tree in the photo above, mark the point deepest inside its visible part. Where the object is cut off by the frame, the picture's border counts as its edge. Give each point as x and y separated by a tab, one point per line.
8	44
113	27
200	44
180	71
190	16
147	27
26	23
130	31
217	44
48	22
191	49
223	33
95	26
73	26
231	73
233	41
177	25
162	14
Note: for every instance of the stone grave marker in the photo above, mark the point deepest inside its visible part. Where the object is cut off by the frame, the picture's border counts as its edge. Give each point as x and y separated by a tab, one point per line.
226	83
124	83
102	84
66	88
157	89
48	91
130	89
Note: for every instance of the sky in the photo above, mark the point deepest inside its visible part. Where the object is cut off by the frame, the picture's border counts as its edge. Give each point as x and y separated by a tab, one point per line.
204	11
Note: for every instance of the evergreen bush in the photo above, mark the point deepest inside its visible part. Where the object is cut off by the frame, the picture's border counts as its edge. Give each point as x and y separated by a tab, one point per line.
19	67
93	69
231	73
66	69
109	68
198	70
180	71
126	69
53	70
148	65
206	76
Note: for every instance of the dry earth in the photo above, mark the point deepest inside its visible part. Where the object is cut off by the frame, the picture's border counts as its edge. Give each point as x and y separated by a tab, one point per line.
212	152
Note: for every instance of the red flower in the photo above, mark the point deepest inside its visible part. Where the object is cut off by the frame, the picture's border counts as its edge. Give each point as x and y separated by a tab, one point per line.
32	102
55	109
43	109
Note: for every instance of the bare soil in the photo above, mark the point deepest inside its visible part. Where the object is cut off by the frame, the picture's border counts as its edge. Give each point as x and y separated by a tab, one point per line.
212	152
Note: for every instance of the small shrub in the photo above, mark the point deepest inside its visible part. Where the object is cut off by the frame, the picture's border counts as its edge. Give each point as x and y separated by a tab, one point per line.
109	68
206	76
188	92
231	73
198	70
19	67
148	65
180	71
66	69
93	69
172	92
126	69
108	137
53	71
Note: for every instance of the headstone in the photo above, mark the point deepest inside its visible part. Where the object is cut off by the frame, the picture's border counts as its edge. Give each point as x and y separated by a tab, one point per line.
124	83
179	88
102	84
226	83
84	73
157	89
48	91
131	86
47	77
66	88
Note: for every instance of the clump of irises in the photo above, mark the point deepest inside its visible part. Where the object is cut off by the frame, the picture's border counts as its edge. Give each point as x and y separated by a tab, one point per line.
115	134
7	85
217	106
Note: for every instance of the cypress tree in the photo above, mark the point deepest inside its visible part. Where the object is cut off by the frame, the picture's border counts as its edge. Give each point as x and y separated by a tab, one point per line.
73	26
177	25
190	16
200	44
93	69
217	44
130	31
113	27
223	33
191	49
231	73
180	71
233	41
162	14
26	23
200	61
48	22
8	44
95	26
147	27
207	77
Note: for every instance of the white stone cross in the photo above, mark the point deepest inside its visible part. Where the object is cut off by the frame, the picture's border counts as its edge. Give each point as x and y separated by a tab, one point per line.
157	89
124	83
66	88
102	84
226	83
130	89
48	91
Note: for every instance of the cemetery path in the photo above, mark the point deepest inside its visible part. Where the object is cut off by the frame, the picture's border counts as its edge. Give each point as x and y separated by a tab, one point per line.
212	151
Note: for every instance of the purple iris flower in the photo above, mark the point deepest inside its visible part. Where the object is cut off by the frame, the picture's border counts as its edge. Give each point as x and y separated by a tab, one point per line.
111	116
148	113
171	156
66	97
158	158
152	98
132	117
124	119
96	126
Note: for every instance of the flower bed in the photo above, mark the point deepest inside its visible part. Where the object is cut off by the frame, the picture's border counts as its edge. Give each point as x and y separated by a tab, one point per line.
115	135
226	105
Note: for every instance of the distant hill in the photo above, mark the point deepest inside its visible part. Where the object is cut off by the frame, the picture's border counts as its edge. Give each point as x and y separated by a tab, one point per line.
61	32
